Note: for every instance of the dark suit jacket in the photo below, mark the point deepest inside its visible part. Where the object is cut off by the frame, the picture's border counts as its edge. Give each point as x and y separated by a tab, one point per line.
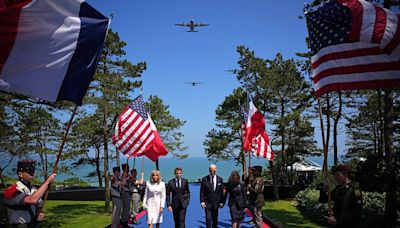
210	197
180	196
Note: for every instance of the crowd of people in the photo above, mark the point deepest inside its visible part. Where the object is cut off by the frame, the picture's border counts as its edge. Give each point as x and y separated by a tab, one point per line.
175	195
23	201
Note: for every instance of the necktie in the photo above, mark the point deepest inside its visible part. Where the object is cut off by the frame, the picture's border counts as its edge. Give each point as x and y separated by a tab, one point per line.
212	182
179	183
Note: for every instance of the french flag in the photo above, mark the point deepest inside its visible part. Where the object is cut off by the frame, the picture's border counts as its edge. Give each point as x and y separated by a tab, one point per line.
49	49
156	148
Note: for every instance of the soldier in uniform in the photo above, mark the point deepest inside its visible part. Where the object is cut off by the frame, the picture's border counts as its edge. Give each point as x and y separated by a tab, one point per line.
126	196
134	189
23	200
347	199
256	195
116	197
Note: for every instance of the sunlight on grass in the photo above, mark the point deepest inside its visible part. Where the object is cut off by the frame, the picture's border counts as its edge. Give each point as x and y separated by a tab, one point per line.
286	215
85	214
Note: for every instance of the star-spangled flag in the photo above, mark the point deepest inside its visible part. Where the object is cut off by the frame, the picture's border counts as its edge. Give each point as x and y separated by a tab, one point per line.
133	132
259	144
49	49
355	45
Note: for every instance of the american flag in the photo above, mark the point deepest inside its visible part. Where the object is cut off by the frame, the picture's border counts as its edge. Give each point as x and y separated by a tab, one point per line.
355	45
133	131
260	144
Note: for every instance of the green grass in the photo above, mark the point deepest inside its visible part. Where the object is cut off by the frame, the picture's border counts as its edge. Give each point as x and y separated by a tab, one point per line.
286	215
82	214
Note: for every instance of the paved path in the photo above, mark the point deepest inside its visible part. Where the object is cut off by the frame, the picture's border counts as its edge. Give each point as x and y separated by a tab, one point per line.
195	215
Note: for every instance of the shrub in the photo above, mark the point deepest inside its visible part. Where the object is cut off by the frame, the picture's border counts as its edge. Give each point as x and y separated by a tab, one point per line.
310	207
372	214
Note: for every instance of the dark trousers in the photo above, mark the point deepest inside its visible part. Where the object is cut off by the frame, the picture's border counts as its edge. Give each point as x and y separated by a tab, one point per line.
211	215
179	217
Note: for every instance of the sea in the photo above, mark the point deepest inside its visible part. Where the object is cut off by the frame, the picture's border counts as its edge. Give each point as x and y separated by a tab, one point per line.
194	168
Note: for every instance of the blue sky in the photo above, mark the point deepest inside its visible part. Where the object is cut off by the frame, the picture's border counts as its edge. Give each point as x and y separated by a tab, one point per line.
174	56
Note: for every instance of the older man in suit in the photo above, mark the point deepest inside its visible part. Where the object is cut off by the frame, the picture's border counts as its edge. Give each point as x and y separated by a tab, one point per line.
178	187
212	196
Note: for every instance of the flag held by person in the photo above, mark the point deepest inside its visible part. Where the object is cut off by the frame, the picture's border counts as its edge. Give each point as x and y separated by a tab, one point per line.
135	133
255	137
255	124
355	45
49	49
156	148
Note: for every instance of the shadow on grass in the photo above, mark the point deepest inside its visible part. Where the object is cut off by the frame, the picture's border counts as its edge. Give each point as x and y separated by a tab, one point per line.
288	219
62	214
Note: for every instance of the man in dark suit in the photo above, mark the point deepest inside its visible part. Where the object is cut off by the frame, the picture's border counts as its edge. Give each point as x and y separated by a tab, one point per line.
179	189
212	196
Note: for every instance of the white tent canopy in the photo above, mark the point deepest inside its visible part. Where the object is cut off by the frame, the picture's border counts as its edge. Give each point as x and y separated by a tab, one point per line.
305	165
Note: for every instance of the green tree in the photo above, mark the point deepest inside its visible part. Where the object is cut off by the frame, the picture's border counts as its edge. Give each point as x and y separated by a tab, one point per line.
109	93
225	141
168	126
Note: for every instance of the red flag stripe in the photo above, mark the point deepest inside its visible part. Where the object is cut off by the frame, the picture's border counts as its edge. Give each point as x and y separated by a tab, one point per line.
9	20
346	54
380	25
357	9
373	84
381	69
140	133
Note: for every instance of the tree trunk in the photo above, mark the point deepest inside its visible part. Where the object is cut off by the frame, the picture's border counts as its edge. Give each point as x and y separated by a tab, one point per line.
335	130
283	161
98	171
107	207
381	123
328	122
391	198
274	180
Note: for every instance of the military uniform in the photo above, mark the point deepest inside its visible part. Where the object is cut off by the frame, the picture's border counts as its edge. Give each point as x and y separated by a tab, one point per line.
126	197
134	190
347	205
116	198
256	197
20	214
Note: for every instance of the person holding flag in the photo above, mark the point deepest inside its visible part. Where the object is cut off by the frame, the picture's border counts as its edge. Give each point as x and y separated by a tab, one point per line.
22	199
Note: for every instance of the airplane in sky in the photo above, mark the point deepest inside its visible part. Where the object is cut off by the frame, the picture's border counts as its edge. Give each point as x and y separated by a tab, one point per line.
194	83
192	25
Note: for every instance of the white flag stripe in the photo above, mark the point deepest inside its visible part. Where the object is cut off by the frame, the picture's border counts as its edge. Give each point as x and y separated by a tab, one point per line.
134	134
128	133
368	21
133	151
361	60
341	48
391	28
357	77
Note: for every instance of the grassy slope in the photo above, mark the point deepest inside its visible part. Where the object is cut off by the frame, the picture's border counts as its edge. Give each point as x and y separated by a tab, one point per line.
80	214
285	214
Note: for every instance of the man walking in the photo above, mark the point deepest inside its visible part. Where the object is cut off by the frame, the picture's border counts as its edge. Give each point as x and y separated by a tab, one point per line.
212	196
178	187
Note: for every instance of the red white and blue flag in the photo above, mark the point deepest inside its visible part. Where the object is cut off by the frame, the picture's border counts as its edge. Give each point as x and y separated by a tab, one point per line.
355	45
135	133
49	49
255	137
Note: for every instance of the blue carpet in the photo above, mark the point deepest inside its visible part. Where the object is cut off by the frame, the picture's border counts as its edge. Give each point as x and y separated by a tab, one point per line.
195	215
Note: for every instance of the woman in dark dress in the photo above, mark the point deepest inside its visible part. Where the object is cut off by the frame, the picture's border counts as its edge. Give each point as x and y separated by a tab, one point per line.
237	192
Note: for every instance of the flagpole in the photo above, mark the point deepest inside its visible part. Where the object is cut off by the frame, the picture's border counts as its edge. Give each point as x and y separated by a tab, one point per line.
134	162
325	165
58	156
241	138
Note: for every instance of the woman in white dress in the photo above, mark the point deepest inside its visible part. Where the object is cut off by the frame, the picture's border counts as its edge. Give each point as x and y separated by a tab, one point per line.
154	199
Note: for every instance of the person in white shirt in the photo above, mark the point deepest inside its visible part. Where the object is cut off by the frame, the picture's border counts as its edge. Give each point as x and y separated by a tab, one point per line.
154	199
